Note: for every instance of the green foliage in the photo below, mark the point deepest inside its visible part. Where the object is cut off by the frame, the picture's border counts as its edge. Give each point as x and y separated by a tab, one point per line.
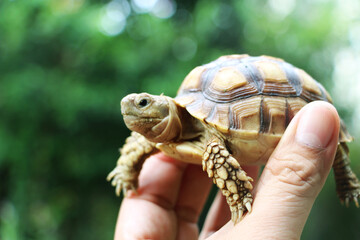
62	76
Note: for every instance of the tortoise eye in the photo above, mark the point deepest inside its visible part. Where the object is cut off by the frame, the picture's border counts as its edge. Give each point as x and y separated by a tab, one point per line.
143	102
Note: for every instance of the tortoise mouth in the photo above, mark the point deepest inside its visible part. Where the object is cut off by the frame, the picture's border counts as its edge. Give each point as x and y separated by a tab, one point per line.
134	120
140	124
134	117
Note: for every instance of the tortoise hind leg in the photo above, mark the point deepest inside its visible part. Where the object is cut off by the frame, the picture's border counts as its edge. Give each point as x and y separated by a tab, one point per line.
229	177
347	184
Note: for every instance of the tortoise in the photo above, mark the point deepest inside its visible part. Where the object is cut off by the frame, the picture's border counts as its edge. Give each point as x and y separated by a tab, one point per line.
228	112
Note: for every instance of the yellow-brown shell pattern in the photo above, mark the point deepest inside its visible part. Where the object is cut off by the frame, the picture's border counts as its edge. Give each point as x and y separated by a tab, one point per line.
239	92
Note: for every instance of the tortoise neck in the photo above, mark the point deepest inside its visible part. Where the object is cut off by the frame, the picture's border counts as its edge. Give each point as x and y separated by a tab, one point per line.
170	128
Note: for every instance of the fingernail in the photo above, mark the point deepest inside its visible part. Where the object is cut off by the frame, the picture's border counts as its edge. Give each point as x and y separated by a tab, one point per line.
316	127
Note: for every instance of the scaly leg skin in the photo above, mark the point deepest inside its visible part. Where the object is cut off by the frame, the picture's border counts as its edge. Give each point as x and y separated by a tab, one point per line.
229	177
133	154
347	184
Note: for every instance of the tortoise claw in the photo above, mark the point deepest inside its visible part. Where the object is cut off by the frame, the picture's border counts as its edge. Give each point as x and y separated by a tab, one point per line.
356	202
352	195
122	180
248	206
236	215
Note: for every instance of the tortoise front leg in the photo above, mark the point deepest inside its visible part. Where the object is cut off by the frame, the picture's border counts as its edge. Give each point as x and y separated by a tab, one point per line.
133	154
229	177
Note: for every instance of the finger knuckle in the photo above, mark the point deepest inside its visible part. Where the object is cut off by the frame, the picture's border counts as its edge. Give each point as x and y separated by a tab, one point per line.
187	213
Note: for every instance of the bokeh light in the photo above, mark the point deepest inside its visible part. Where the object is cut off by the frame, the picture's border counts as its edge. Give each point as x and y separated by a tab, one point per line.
281	8
113	20
143	6
184	48
164	9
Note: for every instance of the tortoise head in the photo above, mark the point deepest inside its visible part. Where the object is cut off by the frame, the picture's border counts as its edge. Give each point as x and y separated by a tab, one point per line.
155	117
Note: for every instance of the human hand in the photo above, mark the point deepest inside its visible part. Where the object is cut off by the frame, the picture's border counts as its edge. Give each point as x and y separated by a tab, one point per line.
171	193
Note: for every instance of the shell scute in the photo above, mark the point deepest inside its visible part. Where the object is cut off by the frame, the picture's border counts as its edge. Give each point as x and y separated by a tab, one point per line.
200	109
218	88
294	105
308	83
245	114
228	79
271	71
192	81
273	115
219	117
276	80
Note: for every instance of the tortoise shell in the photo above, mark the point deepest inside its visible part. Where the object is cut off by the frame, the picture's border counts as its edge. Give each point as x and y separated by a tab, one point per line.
253	95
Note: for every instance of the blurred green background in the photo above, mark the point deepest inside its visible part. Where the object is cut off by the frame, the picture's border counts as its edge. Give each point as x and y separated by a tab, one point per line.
65	65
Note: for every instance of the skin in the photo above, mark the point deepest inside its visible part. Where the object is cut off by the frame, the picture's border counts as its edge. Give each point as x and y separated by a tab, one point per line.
171	193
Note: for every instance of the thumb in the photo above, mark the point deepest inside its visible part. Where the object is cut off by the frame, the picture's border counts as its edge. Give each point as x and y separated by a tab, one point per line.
297	170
